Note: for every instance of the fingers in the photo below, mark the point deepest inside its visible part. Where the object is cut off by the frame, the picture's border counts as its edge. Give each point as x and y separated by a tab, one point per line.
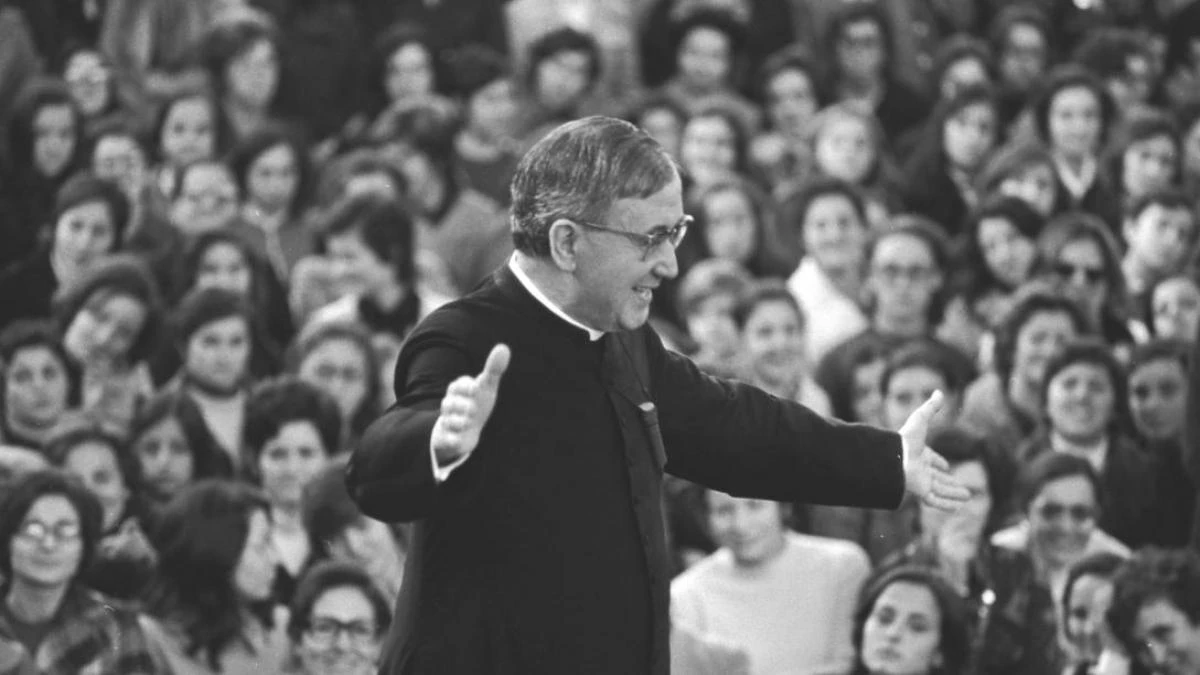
938	462
928	409
497	363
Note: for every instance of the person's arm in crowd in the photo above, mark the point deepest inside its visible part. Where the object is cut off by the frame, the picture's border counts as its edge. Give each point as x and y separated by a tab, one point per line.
851	574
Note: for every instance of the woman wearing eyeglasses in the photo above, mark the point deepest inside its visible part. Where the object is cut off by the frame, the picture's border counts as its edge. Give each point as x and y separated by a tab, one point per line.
338	621
50	525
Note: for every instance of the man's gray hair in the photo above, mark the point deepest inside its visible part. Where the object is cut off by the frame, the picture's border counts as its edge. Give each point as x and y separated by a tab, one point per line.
577	171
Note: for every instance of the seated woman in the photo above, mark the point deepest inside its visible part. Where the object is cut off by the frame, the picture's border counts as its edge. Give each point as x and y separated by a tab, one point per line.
210	603
1087	595
910	622
38	382
1023	571
292	429
1155	612
784	597
336	599
49	529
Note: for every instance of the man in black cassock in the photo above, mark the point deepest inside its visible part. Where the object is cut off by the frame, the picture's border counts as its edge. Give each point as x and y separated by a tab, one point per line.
535	418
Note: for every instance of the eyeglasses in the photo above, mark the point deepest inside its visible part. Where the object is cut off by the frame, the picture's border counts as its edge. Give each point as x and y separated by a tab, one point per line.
647	242
1066	272
1077	512
323	632
38	532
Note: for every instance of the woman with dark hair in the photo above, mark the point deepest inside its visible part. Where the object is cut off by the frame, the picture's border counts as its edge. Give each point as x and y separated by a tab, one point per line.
735	221
1087	596
210	601
712	148
1020	38
339	358
89	77
486	150
1025	171
910	621
1155	611
402	68
962	62
709	50
50	527
860	42
186	130
335	599
173	447
562	68
273	173
241	56
1144	157
38	382
44	146
292	430
788	86
939	180
88	222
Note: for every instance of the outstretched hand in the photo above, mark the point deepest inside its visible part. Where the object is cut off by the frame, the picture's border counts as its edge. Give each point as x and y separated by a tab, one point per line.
466	407
926	473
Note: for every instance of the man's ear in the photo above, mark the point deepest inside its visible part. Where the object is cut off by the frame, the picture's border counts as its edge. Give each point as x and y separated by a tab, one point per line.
564	241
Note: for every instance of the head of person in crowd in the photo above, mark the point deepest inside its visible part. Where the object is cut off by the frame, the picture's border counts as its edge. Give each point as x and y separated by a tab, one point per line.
707	296
1086	598
860	43
1073	113
1174	310
563	67
206	197
1020	38
1059	497
708	47
712	147
342	533
905	277
214	333
215	562
831	216
1155	610
1078	254
119	155
754	531
772	327
50	525
910	621
1121	58
963	131
999	249
173	447
39	383
847	143
910	376
1160	231
864	402
961	62
1084	395
99	460
89	77
789	85
734	221
1158	388
419	139
111	315
358	172
339	358
45	132
403	67
241	58
224	259
89	221
186	129
338	621
369	242
483	82
960	535
1025	171
272	171
292	430
663	118
1146	155
1039	324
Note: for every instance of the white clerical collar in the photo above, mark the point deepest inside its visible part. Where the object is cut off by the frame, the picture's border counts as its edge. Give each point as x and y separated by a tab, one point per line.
593	334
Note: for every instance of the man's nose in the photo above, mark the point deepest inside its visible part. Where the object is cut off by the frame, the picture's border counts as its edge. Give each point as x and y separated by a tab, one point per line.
667	266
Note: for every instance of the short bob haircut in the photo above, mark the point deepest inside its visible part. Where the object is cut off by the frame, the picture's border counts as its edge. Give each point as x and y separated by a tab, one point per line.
921	355
1102	564
329	575
276	402
208	459
1139	127
796	205
954	644
790	58
37	94
1010	161
563	40
764	292
394	38
36	334
976	278
956	49
848	14
1070	77
382	224
1031	300
22	493
164	114
717	20
934	238
227	40
258	142
1153	574
1079	225
83	188
958	445
1051	466
578	171
1160	349
122	274
1093	351
74	430
316	334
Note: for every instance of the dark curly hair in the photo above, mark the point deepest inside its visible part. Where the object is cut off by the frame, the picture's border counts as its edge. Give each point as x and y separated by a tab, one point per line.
953	644
1153	574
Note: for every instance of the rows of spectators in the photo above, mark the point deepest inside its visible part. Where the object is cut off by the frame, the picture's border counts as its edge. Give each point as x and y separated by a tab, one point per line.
219	220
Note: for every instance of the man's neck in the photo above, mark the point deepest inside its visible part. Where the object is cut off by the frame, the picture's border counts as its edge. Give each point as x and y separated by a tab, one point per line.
35	604
553	284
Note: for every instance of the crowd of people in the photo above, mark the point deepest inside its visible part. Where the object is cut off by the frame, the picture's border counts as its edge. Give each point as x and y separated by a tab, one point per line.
220	219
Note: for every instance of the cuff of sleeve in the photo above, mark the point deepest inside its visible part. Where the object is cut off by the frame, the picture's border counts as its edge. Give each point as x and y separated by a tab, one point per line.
441	473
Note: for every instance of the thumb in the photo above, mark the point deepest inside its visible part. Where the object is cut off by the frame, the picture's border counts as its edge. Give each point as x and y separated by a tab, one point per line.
497	363
921	416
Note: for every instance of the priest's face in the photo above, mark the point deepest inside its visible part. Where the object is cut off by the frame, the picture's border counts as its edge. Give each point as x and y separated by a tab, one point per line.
617	276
